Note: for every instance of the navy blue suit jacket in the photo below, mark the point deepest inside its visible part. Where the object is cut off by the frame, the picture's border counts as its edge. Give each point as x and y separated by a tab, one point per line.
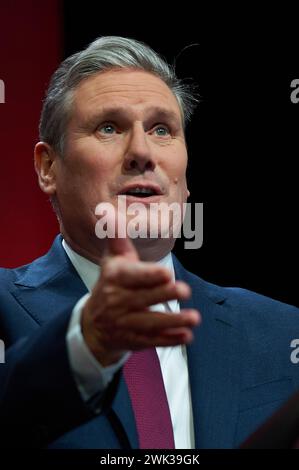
239	363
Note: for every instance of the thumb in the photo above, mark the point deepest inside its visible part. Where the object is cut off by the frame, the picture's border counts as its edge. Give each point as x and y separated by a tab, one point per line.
121	245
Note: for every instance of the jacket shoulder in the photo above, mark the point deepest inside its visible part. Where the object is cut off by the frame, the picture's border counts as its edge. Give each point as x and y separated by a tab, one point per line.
242	302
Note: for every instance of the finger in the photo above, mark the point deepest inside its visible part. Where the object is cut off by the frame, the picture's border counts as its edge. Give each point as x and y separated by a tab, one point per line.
152	322
138	299
175	338
135	274
121	245
183	336
122	301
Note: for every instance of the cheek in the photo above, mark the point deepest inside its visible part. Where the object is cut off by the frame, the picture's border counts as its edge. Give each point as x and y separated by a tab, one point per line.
181	188
87	155
177	174
87	165
177	161
83	184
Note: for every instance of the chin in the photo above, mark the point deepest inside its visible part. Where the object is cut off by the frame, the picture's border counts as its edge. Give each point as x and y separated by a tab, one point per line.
150	249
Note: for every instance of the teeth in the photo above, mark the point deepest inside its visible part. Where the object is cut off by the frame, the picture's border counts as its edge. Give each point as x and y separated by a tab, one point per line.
141	191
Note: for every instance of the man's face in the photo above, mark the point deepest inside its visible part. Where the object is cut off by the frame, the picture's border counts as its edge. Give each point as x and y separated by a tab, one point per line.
125	129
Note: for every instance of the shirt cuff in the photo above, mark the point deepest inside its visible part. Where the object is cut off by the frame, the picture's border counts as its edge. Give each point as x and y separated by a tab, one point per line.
90	376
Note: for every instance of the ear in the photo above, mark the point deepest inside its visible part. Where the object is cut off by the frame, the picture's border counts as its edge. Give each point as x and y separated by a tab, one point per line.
45	167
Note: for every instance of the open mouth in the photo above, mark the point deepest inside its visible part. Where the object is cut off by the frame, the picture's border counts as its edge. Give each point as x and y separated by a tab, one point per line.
141	191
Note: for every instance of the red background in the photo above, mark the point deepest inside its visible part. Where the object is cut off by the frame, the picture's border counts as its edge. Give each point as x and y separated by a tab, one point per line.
30	50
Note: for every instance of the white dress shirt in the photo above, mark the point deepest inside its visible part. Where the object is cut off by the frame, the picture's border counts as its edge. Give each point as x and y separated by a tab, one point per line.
92	378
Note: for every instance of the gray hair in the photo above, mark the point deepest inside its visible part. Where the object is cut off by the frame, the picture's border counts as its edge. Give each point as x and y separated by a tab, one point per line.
103	54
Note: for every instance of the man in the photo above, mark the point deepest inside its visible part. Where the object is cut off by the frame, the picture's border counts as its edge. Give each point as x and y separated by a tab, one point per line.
81	322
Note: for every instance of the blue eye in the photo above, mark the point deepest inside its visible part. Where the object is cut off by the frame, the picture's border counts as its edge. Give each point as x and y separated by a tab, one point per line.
162	131
107	129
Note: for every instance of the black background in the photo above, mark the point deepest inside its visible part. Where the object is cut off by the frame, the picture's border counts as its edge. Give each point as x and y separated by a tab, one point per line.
243	137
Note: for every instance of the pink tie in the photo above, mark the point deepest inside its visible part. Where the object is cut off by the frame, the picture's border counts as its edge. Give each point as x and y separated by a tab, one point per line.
149	401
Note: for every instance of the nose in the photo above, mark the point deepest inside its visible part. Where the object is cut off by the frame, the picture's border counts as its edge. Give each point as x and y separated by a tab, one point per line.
138	154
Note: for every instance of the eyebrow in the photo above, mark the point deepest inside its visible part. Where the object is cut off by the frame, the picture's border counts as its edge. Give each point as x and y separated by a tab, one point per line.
157	112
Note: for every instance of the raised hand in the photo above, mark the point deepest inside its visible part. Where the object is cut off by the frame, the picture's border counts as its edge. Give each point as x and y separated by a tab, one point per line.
117	318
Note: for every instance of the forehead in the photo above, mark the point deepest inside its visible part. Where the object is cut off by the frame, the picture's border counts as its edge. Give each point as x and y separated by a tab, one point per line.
126	87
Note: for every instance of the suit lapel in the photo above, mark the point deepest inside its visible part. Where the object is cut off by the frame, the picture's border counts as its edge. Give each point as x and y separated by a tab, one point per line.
123	410
49	286
213	364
